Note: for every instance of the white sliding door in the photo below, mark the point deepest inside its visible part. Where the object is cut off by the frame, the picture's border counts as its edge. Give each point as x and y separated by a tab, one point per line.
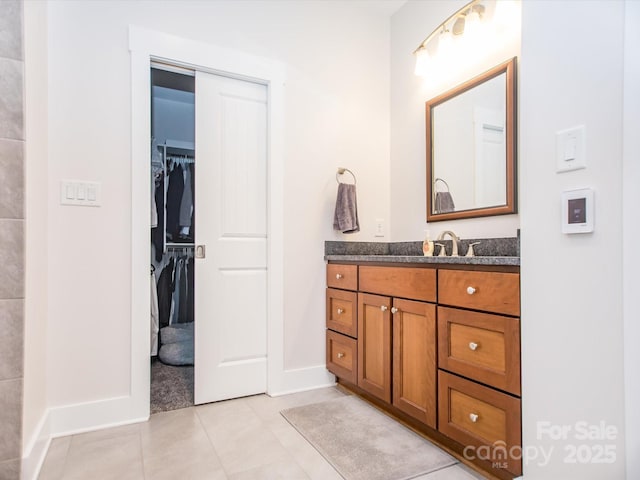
231	222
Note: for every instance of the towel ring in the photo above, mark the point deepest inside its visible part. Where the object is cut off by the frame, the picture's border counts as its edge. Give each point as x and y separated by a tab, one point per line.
341	171
436	181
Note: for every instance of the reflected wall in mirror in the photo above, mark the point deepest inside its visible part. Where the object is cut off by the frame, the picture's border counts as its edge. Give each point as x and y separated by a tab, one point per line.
471	132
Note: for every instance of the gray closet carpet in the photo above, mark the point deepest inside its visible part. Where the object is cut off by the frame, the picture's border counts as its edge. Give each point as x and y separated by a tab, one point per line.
171	387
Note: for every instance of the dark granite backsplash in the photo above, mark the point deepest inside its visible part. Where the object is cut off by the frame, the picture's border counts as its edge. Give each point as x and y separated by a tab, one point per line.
488	247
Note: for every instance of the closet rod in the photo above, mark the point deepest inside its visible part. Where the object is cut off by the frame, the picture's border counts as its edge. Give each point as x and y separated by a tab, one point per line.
176	246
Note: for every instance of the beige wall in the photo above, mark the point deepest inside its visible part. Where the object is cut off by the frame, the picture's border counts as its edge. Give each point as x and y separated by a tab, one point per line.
572	318
336	115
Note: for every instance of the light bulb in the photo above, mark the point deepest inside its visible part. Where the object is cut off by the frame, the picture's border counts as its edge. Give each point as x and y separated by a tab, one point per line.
472	25
423	60
445	43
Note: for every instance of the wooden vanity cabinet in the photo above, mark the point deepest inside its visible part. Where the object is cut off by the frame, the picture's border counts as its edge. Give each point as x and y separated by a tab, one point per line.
439	343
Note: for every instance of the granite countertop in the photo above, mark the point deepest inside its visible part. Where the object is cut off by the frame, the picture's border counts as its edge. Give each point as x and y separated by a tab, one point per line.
479	260
489	251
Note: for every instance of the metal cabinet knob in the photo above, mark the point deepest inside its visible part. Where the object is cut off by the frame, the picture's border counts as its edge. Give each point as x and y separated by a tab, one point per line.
383	308
473	417
340	354
338	276
340	311
473	345
471	290
394	310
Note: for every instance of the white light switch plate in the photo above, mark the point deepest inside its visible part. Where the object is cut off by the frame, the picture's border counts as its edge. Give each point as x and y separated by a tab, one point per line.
570	149
80	193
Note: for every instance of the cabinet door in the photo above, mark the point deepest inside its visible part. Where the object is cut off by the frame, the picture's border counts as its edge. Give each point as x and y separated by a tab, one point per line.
414	359
374	345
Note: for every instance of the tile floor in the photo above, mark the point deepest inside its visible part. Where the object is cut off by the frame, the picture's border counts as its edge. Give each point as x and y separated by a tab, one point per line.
242	439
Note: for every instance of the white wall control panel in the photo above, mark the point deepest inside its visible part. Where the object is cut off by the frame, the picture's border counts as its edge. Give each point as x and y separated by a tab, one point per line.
80	193
570	149
577	211
379	228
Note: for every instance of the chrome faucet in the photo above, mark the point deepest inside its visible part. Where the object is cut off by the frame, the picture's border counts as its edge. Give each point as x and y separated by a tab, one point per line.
454	241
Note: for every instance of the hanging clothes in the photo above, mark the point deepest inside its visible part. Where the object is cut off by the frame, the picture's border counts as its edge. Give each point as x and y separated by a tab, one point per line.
175	309
184	293
165	293
157	169
155	315
157	233
174	198
190	289
186	204
192	170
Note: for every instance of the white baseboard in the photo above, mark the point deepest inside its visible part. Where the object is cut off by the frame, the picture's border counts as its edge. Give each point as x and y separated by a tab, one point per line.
72	419
90	416
117	411
36	449
303	379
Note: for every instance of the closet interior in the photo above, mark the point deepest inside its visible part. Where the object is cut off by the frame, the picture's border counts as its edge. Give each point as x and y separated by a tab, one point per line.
172	237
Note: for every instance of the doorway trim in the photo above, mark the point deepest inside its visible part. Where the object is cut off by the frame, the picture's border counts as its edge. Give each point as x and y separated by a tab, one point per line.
146	46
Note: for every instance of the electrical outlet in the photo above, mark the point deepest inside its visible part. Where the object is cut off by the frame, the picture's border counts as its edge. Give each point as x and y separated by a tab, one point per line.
379	228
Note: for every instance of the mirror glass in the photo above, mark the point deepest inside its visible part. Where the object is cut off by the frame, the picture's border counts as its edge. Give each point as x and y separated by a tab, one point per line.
471	148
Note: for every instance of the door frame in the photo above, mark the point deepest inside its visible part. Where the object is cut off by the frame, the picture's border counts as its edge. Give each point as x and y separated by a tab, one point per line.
146	46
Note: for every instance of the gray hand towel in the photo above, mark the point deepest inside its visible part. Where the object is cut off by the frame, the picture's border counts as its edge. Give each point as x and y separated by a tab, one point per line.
345	218
444	203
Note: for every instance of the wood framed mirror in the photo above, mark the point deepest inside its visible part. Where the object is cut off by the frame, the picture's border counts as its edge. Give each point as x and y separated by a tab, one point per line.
471	147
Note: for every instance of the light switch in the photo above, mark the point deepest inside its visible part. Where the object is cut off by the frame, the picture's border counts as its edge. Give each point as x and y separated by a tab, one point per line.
80	193
570	149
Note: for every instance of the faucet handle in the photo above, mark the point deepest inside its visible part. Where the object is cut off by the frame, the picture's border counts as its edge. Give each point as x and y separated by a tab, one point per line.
470	251
443	251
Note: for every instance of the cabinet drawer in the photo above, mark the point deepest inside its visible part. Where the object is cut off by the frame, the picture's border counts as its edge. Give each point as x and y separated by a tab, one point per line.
342	356
490	291
476	416
480	346
342	276
342	311
405	282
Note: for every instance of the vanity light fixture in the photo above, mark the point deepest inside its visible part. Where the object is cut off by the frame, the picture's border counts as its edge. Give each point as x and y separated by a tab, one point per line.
467	32
468	19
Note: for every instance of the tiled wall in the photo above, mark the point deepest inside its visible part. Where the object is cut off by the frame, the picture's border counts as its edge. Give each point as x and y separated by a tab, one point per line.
11	237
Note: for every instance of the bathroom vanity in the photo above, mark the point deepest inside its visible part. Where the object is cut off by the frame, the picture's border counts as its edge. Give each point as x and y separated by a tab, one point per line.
436	342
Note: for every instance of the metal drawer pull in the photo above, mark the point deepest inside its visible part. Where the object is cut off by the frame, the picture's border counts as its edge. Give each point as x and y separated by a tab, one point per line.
338	276
340	311
471	290
473	345
473	417
340	354
383	308
394	310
